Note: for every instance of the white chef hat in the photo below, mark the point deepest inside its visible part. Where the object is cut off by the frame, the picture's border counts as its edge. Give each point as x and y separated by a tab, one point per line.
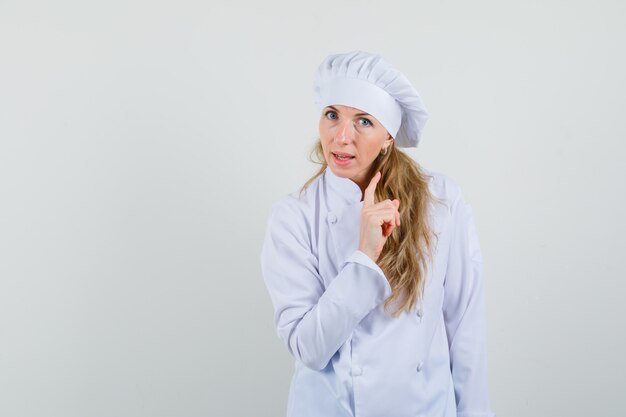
367	82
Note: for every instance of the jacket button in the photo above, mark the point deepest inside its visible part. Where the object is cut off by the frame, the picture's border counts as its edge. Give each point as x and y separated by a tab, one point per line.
332	218
420	366
356	371
420	312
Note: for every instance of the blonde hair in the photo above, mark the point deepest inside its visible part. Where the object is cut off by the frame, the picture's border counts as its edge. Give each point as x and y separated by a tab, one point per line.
409	249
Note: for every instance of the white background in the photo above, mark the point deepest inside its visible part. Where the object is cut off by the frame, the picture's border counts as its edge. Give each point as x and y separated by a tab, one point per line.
142	143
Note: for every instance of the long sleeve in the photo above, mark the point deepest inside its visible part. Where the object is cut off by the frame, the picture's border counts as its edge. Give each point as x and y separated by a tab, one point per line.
464	314
311	320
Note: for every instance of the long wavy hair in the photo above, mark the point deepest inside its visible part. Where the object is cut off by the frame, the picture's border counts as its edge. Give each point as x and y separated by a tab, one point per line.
408	252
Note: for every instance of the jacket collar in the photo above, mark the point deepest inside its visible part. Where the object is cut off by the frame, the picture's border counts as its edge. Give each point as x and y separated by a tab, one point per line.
344	188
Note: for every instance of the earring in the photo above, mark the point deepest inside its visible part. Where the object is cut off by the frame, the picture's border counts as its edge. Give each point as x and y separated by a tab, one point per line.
384	152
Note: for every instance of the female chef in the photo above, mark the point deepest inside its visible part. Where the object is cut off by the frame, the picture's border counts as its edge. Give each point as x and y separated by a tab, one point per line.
374	268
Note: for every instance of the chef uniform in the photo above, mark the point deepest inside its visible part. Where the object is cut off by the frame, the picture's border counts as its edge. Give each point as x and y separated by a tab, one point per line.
351	357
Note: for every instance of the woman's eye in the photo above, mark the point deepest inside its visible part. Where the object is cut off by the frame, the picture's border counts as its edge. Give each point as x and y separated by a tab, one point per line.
331	114
365	122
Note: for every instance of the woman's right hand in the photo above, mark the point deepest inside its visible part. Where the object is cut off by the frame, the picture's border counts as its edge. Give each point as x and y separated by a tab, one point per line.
378	220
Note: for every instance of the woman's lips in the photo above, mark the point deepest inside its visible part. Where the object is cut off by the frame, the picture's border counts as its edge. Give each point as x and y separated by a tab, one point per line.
343	155
342	162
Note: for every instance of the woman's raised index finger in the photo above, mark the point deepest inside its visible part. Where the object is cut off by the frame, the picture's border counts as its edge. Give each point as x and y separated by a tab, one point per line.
368	195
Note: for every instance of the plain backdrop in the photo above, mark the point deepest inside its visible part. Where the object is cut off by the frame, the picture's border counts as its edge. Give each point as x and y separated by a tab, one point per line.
143	142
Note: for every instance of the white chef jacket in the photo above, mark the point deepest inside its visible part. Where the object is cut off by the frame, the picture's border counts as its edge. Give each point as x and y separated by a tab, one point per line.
351	357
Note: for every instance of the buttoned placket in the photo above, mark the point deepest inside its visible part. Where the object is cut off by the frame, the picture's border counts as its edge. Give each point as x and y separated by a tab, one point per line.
345	194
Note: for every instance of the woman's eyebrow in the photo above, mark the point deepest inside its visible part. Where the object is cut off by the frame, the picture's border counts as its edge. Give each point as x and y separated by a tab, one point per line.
358	114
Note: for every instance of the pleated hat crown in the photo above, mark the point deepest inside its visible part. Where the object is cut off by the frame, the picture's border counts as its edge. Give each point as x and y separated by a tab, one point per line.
366	81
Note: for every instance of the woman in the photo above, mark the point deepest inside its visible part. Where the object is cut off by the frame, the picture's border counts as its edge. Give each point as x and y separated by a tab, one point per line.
374	268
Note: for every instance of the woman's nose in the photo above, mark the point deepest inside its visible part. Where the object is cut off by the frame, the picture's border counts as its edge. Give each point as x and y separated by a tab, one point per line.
345	131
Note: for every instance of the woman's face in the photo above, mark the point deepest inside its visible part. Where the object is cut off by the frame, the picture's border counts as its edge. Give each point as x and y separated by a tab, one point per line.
349	131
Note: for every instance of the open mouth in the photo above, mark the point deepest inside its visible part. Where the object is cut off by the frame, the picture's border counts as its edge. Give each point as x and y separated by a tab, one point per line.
342	156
